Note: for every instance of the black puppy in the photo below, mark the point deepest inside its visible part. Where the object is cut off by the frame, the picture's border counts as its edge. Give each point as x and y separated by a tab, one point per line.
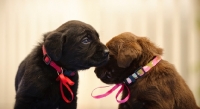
71	47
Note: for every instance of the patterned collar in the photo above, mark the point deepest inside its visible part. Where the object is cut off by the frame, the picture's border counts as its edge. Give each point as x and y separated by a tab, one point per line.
141	71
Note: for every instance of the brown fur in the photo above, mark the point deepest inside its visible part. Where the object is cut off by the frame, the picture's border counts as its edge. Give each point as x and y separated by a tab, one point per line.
161	88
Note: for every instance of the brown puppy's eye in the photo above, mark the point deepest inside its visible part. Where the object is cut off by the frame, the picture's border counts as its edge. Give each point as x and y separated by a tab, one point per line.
86	40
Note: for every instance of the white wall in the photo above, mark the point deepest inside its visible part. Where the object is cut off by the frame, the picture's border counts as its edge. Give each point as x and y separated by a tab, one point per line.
169	23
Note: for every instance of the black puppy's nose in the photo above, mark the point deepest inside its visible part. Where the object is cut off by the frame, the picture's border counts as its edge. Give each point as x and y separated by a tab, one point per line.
106	53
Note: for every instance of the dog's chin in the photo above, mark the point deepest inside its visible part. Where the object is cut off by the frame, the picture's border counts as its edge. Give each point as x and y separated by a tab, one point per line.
82	67
99	63
107	81
110	81
92	64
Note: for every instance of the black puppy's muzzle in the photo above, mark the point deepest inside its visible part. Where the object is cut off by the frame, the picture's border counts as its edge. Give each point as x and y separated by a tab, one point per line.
104	57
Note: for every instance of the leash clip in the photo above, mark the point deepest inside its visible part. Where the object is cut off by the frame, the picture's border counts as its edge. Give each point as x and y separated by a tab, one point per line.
60	72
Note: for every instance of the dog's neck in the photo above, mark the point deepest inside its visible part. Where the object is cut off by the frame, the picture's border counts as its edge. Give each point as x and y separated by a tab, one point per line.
64	80
141	71
48	61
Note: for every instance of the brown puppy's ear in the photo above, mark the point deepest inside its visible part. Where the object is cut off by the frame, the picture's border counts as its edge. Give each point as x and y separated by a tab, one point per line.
53	44
127	52
149	47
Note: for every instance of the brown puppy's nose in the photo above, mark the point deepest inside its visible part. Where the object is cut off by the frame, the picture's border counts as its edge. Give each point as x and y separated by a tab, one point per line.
106	53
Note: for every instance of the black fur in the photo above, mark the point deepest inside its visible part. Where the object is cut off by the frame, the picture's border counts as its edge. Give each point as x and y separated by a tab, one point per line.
73	46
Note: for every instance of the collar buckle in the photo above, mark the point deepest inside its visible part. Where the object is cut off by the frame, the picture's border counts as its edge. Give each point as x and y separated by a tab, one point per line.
47	59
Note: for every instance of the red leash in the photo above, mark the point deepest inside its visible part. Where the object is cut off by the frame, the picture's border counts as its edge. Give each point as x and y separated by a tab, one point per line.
64	80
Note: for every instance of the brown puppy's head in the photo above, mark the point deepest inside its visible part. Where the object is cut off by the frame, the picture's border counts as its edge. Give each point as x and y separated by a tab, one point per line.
127	53
75	45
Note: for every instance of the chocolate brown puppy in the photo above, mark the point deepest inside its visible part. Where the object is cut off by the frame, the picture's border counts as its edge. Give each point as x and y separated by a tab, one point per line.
153	82
73	46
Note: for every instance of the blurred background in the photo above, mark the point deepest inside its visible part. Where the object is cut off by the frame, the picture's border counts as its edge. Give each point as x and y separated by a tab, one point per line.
173	25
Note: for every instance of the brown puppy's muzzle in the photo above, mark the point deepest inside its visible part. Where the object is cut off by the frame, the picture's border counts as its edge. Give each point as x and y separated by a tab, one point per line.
103	75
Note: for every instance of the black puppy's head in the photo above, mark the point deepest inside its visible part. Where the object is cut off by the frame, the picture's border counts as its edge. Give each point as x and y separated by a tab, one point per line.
76	45
127	53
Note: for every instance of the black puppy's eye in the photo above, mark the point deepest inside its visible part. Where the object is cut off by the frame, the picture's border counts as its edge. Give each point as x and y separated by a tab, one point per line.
86	40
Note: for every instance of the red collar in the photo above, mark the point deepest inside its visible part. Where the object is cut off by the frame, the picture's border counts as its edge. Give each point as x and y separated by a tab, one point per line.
64	80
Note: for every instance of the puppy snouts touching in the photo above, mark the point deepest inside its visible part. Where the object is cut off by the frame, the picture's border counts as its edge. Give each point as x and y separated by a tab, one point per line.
106	53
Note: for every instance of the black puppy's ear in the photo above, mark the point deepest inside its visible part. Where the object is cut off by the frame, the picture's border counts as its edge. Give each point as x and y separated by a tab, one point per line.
127	52
53	44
